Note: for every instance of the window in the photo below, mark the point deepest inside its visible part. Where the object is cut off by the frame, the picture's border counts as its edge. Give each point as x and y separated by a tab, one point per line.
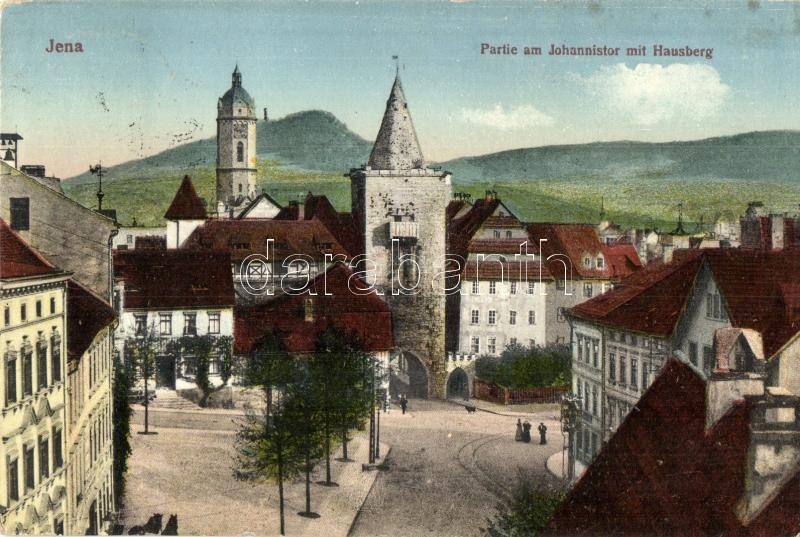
594	400
714	306
594	443
6	315
492	317
165	324
492	345
560	315
512	317
634	373
44	458
587	353
531	317
41	360
23	312
27	368
129	239
240	152
587	261
475	317
579	438
52	305
58	457
512	342
531	343
240	188
140	324
55	355
496	233
20	214
708	359
580	348
645	375
612	368
11	376
508	234
623	369
30	477
475	287
561	284
213	323
531	287
38	308
513	288
693	353
492	288
580	390
587	392
189	324
587	290
599	262
595	353
13	480
475	347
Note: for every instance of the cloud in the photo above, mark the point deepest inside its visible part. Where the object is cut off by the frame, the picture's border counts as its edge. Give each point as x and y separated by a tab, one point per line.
650	94
521	117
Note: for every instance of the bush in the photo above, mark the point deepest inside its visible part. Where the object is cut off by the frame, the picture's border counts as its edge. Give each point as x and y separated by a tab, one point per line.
526	367
530	512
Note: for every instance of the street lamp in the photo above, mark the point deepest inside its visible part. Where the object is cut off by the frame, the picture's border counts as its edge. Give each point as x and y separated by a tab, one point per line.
571	412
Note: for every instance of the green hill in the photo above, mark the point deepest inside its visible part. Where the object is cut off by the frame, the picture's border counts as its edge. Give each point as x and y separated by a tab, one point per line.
640	183
757	156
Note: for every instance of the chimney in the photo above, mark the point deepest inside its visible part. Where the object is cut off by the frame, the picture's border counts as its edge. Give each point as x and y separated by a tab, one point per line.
739	371
301	211
308	310
774	452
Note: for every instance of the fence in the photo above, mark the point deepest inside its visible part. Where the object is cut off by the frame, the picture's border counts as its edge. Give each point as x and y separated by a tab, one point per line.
487	391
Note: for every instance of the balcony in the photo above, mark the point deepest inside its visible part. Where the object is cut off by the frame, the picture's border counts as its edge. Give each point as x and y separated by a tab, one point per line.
403	230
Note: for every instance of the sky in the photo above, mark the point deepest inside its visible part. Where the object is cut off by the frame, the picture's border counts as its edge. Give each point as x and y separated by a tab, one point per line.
151	72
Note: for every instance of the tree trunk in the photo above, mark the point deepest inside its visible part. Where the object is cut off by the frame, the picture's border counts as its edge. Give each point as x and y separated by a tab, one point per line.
344	442
308	479
280	486
327	451
269	407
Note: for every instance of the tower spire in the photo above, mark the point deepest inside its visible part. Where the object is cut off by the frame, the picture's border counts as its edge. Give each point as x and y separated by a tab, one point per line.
236	78
396	146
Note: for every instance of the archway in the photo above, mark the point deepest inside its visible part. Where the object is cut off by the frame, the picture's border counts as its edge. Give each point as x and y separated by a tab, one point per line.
458	384
409	377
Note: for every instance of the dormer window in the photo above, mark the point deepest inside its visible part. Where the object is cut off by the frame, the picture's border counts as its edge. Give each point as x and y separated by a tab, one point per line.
600	263
587	261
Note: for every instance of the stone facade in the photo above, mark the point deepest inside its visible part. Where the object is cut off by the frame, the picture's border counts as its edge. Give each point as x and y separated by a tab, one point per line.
236	145
399	204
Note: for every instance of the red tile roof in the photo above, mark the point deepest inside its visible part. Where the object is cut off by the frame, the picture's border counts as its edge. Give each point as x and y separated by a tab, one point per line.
365	317
171	279
17	259
758	288
87	315
341	225
664	474
649	301
575	240
249	236
186	205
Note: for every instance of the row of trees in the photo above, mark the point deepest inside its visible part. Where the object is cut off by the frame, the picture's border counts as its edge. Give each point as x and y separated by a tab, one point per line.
312	403
525	367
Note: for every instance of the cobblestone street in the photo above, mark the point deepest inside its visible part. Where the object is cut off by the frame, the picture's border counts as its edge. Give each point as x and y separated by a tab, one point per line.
449	470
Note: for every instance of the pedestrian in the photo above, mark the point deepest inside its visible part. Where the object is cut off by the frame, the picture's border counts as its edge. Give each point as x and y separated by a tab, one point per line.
518	435
526	432
542	433
403	403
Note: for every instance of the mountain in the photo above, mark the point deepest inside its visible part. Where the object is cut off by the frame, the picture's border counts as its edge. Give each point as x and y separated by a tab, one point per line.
756	156
311	140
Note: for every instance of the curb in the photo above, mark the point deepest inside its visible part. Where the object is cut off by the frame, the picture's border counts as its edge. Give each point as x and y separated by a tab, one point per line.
360	507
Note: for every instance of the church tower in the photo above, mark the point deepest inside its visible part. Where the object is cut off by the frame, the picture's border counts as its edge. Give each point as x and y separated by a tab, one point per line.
236	146
399	203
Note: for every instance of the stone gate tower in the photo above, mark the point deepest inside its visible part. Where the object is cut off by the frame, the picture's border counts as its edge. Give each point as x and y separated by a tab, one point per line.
236	146
399	204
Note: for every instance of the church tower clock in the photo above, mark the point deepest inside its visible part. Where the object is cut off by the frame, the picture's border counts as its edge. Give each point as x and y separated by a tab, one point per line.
236	146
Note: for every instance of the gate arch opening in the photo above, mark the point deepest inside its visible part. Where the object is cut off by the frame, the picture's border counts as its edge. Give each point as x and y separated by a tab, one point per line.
409	377
458	384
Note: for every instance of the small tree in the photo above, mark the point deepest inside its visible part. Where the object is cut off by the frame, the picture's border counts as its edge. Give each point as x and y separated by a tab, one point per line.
122	429
269	452
529	514
140	357
202	351
269	367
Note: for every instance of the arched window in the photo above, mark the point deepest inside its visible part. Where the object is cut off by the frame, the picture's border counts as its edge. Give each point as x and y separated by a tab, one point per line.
240	152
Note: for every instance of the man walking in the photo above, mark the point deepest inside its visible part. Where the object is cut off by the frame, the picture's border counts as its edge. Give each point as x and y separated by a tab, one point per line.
542	433
403	403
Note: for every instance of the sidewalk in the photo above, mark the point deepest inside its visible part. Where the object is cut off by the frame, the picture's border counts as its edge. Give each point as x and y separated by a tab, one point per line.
554	463
516	411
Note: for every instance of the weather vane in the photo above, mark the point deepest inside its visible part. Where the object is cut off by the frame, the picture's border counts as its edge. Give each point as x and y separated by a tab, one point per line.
98	170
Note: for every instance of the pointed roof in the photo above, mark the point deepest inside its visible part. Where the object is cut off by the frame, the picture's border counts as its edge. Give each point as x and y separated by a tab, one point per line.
396	147
17	259
186	205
